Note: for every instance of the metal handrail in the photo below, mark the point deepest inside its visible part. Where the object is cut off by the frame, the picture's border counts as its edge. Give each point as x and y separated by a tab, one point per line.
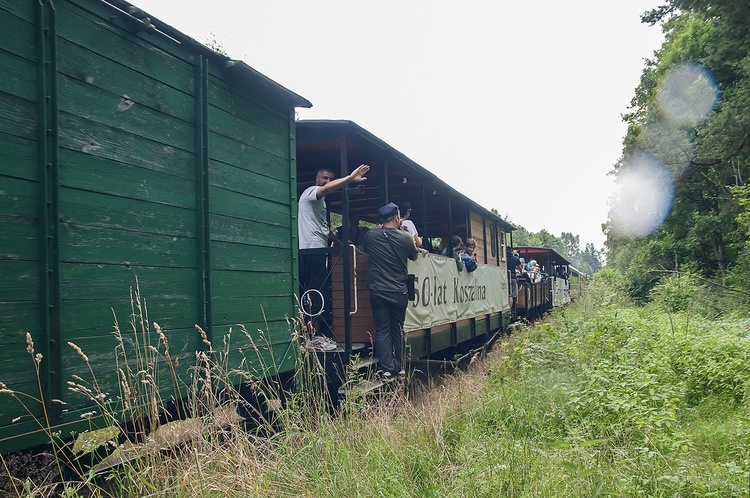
354	262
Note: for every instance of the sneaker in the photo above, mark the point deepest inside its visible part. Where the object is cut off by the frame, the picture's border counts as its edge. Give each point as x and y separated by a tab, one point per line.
386	375
324	343
402	373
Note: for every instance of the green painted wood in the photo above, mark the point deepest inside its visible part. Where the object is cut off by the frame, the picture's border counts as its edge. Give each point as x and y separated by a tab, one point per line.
248	207
85	172
82	244
105	358
105	39
236	154
125	82
18	18
228	124
234	310
19	239
441	341
417	347
84	318
242	102
251	284
230	229
18	157
240	257
127	202
19	77
14	8
19	317
18	117
237	83
463	334
87	137
96	281
95	209
249	182
19	198
24	284
86	12
124	114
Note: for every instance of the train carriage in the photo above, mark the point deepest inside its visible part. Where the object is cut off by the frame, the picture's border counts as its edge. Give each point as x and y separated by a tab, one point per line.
452	312
131	151
551	288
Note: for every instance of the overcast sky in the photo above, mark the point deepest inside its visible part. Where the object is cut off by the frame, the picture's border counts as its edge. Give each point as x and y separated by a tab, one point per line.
515	104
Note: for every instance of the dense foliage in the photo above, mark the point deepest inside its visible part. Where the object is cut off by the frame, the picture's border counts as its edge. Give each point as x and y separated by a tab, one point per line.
603	399
704	155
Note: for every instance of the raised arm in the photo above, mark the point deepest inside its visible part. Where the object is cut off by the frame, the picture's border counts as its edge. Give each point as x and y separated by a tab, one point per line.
355	176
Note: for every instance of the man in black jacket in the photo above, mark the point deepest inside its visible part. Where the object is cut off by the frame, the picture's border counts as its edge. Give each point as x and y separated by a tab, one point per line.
389	247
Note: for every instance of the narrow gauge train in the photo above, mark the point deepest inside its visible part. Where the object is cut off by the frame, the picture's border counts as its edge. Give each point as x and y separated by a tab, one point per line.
130	151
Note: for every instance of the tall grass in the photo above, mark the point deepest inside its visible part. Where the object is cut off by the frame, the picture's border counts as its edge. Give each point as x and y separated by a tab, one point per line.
602	399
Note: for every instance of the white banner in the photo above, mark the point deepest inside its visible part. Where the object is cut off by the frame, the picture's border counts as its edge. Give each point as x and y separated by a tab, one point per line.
445	295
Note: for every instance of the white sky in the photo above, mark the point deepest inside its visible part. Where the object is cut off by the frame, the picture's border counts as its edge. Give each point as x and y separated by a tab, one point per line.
515	104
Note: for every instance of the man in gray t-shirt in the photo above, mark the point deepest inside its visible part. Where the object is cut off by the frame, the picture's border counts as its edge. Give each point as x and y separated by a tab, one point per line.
388	248
313	233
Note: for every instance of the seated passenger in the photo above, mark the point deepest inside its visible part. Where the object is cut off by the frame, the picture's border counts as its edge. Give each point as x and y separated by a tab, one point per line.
453	250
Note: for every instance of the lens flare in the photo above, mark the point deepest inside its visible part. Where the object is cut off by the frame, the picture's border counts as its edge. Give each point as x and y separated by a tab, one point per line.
672	145
643	198
687	95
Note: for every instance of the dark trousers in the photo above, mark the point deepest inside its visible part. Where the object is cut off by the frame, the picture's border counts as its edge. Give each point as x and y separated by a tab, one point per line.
389	312
313	275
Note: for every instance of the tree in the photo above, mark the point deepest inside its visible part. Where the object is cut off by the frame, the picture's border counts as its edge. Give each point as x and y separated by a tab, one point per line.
706	158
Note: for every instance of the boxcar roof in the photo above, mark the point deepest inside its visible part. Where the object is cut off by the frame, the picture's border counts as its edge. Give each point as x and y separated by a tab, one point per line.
134	15
538	252
318	145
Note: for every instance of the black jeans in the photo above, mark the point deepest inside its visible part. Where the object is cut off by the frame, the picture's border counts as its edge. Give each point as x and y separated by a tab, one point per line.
313	275
389	312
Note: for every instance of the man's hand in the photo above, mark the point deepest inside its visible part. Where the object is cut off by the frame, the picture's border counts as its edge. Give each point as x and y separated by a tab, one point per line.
358	174
423	252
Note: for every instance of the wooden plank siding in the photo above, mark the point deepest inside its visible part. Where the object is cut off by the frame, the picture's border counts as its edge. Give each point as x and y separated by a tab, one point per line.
20	240
146	140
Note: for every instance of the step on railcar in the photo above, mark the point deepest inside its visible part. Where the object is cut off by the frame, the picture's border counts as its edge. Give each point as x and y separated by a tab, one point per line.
452	313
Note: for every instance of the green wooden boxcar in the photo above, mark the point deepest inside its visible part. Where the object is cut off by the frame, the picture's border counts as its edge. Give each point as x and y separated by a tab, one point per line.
130	151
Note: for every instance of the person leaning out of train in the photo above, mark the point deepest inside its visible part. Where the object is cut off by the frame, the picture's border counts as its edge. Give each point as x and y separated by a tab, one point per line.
454	250
469	255
471	248
407	225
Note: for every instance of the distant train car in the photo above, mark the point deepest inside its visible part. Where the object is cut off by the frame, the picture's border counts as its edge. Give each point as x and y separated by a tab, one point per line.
129	150
542	287
452	312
